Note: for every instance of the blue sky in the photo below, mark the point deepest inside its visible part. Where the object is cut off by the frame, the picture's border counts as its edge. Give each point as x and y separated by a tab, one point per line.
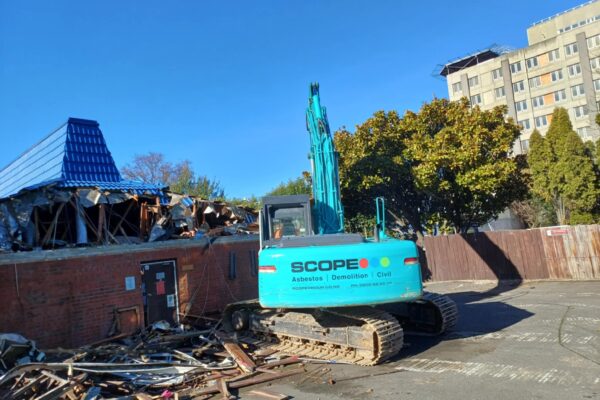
225	84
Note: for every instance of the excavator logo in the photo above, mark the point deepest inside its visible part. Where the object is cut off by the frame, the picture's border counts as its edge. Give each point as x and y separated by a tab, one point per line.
334	265
326	265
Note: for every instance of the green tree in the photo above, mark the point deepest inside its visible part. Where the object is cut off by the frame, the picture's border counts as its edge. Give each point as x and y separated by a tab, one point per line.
461	160
300	185
372	163
563	172
251	202
446	164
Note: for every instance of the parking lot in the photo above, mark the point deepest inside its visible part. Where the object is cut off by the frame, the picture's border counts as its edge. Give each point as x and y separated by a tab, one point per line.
536	340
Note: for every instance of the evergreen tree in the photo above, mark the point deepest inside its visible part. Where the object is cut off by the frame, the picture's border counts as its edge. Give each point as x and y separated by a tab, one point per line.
562	171
447	166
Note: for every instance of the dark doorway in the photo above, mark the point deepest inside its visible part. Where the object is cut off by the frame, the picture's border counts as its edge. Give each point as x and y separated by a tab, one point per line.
159	286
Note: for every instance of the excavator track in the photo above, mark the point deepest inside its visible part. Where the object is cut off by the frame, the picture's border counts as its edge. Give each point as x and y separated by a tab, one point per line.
431	315
356	335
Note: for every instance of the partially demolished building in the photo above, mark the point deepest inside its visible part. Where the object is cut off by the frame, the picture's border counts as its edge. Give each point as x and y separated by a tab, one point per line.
67	190
85	253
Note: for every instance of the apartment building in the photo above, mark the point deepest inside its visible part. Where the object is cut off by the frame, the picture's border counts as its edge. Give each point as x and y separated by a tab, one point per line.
559	68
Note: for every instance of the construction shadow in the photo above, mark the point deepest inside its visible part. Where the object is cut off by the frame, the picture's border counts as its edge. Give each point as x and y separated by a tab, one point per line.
480	312
491	259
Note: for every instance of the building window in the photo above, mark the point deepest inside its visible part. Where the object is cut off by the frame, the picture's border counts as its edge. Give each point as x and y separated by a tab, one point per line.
500	92
560	95
577	90
496	74
583	132
541	121
532	62
476	99
521	105
593	41
456	87
556	75
525	145
537	101
474	81
525	125
535	82
553	55
518	87
515	67
597	85
595	63
580	112
574	70
571	49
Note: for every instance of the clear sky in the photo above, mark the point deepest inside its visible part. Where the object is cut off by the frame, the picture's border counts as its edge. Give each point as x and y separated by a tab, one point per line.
225	83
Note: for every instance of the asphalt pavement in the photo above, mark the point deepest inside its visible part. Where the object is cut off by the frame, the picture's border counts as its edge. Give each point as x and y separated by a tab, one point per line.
534	340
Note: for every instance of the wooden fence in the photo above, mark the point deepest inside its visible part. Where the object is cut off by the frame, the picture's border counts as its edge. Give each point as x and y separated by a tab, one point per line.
571	252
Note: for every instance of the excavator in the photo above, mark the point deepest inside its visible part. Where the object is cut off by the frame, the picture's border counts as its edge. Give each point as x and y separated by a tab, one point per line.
327	294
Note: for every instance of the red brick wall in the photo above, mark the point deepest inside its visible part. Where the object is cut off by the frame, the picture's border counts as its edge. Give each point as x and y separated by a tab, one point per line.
67	299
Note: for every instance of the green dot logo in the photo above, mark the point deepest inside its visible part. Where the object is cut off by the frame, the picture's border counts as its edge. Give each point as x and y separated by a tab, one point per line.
384	262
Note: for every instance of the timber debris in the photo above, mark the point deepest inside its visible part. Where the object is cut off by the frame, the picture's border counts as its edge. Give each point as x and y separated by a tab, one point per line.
158	362
52	218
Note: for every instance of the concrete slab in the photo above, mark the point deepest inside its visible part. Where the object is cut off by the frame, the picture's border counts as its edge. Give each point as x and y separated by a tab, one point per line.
536	340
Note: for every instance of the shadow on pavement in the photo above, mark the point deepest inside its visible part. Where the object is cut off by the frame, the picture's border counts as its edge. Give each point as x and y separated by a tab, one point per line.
479	314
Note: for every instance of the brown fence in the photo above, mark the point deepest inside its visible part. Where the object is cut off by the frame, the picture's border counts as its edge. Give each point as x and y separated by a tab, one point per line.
571	252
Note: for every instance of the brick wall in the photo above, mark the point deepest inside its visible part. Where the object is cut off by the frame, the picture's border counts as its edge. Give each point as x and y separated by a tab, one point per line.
67	297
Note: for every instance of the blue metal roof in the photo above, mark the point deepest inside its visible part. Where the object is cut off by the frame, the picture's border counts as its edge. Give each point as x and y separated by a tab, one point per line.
74	155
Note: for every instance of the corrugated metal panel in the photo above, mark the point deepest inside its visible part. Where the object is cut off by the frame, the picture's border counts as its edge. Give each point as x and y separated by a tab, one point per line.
125	186
42	162
87	157
74	155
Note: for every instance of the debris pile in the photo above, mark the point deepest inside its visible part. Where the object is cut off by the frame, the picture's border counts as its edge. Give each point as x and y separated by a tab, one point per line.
159	362
52	217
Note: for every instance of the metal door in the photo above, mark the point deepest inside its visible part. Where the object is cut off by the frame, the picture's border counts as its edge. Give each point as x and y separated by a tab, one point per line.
160	292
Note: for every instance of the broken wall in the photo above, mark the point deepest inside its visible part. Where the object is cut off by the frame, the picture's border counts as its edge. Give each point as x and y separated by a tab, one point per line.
68	297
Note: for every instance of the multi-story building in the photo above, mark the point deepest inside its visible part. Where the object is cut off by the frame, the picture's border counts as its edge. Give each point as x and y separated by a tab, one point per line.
559	68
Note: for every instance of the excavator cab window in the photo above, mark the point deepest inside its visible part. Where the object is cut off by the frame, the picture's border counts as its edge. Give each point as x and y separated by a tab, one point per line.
287	221
285	217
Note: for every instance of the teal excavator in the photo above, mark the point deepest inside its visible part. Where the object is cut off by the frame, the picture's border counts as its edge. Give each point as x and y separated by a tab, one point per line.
328	294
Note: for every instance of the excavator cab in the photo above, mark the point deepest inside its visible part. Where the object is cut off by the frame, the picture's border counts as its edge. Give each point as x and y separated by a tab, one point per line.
286	221
284	217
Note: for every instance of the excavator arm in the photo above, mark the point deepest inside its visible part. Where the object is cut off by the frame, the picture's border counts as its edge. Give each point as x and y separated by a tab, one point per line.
328	213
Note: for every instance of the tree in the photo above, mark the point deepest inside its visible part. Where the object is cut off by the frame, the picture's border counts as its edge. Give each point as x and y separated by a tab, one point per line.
446	164
251	202
150	168
563	172
461	160
534	212
180	178
300	185
372	163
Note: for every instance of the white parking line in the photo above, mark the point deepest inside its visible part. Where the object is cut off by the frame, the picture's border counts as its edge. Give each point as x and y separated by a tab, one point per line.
530	337
501	371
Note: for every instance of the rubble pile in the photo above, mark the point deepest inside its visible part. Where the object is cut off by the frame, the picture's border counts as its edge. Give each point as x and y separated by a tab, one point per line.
160	362
51	218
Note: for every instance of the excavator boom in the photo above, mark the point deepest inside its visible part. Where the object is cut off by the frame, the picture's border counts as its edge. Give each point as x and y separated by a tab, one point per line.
327	211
